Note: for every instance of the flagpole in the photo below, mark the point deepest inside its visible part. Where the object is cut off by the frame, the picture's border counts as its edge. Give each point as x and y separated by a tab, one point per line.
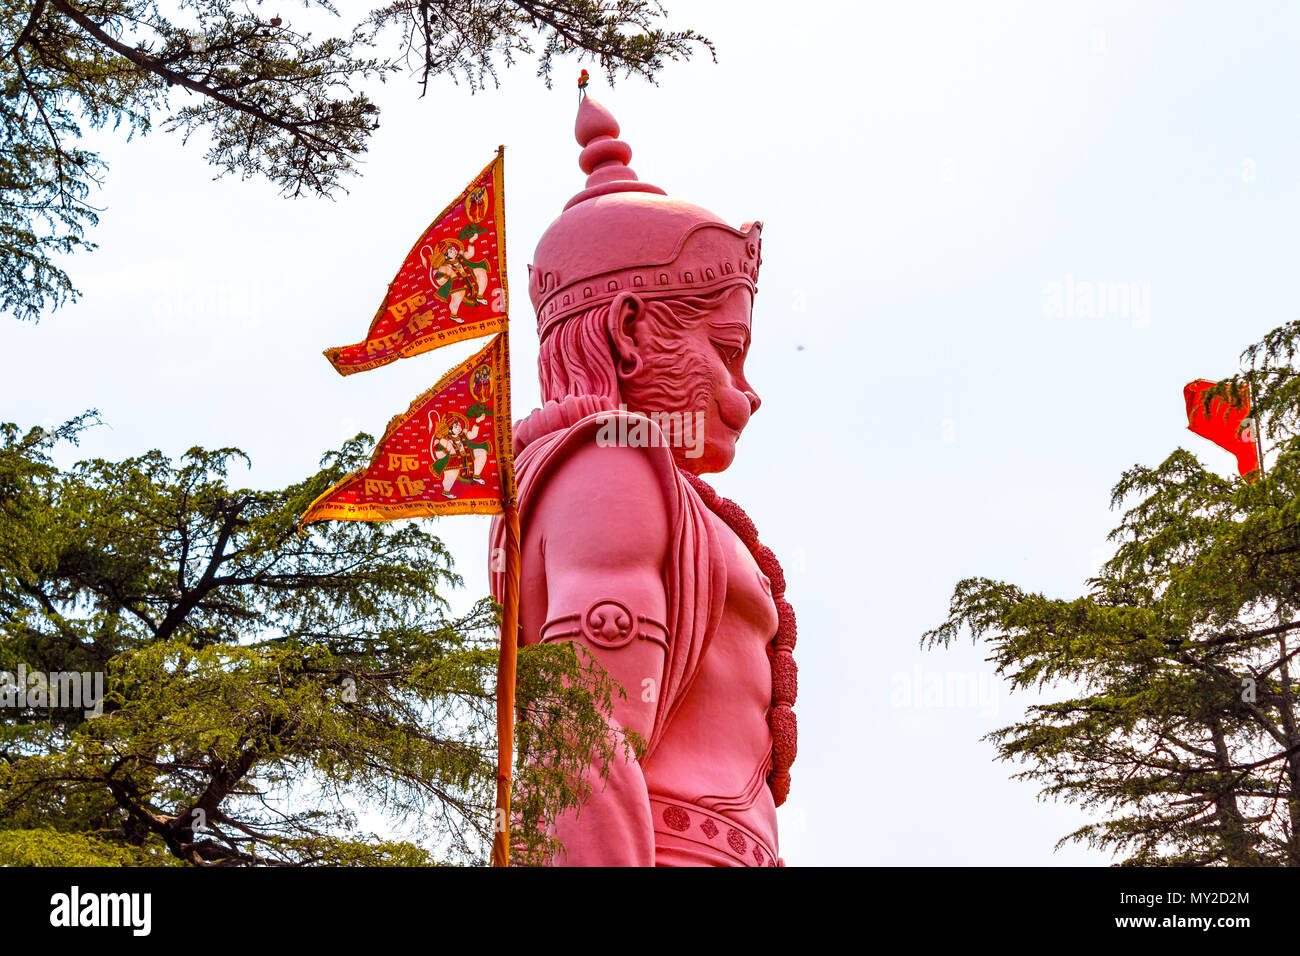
506	666
1259	438
1259	450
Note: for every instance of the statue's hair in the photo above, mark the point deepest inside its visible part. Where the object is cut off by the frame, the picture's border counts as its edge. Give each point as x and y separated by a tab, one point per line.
577	357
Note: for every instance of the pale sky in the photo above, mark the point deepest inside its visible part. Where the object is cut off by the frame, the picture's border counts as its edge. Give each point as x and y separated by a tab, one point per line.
944	187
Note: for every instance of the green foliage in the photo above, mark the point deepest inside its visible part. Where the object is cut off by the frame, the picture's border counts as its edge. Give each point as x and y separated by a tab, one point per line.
469	40
262	687
52	848
271	100
1180	724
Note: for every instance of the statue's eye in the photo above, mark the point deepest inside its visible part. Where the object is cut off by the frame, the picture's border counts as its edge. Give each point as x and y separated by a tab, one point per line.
731	354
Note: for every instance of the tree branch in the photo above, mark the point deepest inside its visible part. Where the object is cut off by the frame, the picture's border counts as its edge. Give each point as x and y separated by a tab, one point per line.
37	9
150	64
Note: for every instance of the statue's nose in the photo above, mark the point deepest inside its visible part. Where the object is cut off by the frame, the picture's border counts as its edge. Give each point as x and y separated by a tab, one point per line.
754	400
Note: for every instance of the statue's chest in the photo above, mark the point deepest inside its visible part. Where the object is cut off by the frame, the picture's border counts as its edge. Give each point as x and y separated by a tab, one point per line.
718	746
749	614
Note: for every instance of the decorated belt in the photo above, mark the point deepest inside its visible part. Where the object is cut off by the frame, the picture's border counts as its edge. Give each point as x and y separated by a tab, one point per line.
686	821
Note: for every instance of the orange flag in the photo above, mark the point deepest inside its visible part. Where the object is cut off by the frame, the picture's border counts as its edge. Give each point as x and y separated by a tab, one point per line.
451	286
449	453
1229	425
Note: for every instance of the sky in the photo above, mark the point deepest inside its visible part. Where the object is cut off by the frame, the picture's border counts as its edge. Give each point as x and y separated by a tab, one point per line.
945	188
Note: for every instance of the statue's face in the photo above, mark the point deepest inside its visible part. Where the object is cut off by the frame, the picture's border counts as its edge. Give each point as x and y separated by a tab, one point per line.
700	373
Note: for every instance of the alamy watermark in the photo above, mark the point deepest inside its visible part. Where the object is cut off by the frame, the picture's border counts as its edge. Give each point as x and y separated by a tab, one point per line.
1098	299
926	689
56	691
652	429
77	909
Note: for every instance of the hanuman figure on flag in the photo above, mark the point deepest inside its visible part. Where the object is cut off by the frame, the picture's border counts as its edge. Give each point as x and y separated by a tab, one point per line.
458	278
644	308
454	450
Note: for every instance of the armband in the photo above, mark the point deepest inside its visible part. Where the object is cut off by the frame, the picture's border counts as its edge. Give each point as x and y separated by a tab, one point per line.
607	623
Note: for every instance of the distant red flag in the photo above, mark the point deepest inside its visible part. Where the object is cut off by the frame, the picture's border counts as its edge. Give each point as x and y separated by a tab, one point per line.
449	453
1228	425
451	286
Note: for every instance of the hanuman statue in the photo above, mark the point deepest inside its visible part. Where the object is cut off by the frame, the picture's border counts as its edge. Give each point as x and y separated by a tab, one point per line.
643	311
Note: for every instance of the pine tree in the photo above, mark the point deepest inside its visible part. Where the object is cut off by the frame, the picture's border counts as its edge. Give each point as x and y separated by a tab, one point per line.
270	98
261	686
1178	724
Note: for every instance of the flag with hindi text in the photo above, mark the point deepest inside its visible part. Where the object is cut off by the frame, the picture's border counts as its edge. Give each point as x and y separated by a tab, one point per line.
451	286
449	453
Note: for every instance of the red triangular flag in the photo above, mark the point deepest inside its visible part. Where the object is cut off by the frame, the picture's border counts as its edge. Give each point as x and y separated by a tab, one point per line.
451	286
449	453
1228	425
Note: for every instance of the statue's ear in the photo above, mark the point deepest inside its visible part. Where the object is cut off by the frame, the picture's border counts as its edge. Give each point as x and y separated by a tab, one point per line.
626	333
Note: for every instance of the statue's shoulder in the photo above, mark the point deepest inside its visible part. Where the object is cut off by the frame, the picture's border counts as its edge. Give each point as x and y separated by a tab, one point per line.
583	480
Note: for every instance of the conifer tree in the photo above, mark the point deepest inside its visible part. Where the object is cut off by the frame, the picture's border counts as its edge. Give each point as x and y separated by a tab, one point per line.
1177	721
268	95
269	697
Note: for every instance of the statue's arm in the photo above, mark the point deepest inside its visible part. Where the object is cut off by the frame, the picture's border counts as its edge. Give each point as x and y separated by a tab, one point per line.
601	526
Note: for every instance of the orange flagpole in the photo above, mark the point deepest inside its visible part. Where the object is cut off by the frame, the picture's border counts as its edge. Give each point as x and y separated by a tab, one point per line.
506	661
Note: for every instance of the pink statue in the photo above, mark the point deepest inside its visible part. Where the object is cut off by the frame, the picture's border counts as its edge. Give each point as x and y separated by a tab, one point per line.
643	308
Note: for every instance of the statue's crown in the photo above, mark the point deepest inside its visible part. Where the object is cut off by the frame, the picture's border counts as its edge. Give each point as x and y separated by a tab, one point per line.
620	234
